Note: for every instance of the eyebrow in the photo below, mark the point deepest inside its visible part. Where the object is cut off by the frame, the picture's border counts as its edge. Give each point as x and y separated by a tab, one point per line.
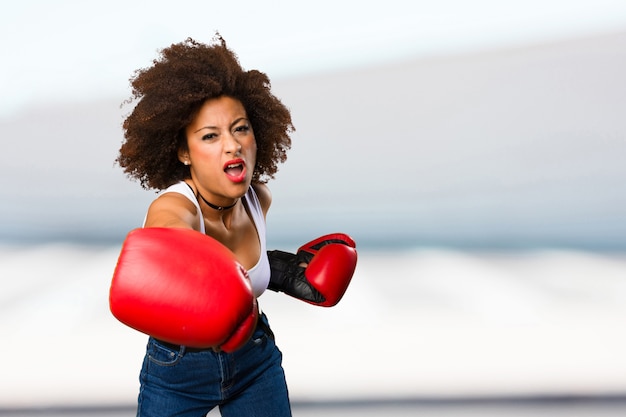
231	125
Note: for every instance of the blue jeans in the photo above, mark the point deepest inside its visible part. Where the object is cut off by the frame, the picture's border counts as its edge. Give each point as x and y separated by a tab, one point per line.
247	382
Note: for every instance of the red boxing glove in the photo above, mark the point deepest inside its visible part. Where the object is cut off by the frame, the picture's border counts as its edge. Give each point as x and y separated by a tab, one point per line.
183	287
319	273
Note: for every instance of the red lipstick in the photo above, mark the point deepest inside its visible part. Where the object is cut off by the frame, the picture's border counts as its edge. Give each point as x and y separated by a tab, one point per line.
235	170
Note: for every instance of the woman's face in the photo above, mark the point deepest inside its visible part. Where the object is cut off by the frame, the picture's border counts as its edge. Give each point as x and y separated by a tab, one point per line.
221	150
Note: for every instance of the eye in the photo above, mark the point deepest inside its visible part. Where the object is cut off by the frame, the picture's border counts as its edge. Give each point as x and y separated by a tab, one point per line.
209	136
242	128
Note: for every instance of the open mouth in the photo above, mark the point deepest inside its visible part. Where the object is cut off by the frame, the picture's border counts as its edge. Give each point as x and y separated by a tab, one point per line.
235	170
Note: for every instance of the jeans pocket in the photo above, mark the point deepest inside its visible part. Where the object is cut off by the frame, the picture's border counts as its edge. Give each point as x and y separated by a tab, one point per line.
162	355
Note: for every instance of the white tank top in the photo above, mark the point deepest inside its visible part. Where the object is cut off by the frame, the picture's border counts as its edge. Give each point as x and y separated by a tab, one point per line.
260	273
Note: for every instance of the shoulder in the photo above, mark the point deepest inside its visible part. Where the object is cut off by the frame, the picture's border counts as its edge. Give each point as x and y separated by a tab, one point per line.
173	209
264	194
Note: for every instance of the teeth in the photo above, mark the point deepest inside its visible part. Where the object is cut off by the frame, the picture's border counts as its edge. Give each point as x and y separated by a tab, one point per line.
233	165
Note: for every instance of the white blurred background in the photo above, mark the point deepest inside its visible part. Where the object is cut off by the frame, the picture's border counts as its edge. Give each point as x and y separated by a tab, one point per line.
473	149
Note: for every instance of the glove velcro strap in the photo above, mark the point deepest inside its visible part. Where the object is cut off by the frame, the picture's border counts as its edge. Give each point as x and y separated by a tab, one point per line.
287	275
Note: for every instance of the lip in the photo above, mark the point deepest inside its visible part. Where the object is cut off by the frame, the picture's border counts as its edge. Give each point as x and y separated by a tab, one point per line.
241	177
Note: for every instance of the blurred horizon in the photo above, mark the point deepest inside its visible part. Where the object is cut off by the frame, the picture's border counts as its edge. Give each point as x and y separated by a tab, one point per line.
510	148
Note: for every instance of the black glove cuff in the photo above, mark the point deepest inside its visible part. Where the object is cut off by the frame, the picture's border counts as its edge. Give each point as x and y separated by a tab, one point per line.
288	276
280	266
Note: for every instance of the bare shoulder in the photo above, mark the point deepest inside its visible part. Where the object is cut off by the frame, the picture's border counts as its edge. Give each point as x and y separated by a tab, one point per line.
265	196
173	210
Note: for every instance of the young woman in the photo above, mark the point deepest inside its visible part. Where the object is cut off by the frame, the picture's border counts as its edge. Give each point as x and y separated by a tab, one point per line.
208	135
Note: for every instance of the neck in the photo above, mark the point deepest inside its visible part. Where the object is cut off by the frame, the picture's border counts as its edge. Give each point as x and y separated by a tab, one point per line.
216	207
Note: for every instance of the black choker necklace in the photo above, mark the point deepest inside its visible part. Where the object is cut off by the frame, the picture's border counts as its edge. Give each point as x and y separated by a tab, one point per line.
214	207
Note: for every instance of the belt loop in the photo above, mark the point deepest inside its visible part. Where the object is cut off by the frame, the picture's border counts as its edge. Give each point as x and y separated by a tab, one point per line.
266	328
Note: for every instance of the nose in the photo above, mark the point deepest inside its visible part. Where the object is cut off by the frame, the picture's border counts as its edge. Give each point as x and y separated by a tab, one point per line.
232	145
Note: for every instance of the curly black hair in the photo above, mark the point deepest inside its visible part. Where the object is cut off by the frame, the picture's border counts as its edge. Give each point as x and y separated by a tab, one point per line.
169	94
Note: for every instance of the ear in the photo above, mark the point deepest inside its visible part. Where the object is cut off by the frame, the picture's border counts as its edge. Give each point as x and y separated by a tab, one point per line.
183	156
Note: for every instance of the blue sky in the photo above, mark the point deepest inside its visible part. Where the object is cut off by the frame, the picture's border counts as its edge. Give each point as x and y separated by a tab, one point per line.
74	50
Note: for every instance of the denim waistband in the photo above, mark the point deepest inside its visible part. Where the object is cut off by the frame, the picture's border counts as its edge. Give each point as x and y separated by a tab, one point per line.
261	323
